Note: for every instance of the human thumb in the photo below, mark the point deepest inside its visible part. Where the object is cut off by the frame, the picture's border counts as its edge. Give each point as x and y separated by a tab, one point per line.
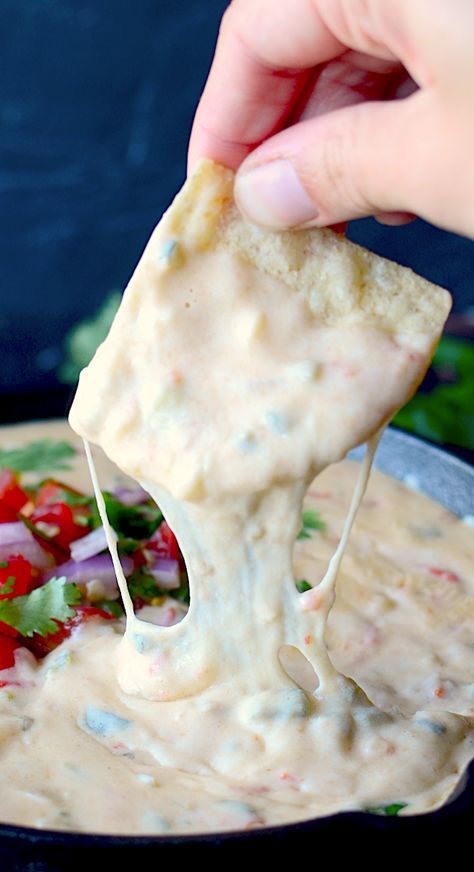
359	160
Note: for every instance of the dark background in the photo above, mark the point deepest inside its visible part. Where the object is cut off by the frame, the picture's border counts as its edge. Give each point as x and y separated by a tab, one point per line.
96	104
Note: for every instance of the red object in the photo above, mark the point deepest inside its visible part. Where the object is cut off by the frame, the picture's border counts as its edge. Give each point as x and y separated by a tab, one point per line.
55	492
138	558
52	491
170	541
165	544
59	517
7	514
444	574
84	613
10	491
60	555
42	645
6	630
8	647
21	571
49	492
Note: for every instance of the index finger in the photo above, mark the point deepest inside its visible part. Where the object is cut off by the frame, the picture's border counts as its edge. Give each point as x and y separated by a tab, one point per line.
265	53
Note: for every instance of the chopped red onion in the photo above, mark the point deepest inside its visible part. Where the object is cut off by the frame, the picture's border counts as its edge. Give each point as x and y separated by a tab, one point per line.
14	531
165	572
15	539
99	568
89	545
31	551
131	496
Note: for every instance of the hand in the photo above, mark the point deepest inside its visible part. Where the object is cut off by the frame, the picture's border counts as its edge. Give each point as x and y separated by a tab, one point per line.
335	109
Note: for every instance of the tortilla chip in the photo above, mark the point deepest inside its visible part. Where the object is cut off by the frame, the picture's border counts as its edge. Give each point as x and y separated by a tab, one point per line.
341	280
230	336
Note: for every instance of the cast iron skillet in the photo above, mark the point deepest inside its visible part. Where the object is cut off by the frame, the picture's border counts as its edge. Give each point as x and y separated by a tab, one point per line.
440	476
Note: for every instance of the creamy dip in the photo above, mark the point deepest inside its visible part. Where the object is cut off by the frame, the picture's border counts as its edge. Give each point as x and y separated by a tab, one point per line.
224	391
78	753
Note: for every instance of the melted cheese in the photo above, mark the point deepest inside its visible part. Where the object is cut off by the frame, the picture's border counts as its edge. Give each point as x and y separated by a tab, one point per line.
224	394
78	753
231	396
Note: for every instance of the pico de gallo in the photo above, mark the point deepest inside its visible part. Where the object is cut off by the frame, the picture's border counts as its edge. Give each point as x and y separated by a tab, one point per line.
56	572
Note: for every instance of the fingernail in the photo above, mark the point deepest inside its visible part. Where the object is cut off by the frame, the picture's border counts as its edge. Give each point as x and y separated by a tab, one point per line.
272	195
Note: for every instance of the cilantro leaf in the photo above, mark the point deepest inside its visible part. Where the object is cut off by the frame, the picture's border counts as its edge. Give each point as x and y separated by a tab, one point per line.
43	454
38	611
181	593
388	810
310	521
142	586
82	340
454	356
131	523
113	607
8	585
302	585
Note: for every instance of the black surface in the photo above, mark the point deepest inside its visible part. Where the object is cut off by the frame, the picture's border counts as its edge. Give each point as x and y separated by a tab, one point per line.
96	104
358	835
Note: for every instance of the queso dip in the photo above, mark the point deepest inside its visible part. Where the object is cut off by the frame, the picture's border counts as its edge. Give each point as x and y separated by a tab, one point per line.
80	754
230	397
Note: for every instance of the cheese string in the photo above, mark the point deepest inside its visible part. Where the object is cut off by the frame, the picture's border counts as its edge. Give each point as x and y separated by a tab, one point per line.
110	535
327	675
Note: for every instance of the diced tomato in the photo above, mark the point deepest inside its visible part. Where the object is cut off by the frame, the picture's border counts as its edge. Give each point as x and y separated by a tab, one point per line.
138	558
60	555
444	574
170	540
7	514
42	645
21	571
10	491
164	542
52	491
85	613
56	521
6	630
8	646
